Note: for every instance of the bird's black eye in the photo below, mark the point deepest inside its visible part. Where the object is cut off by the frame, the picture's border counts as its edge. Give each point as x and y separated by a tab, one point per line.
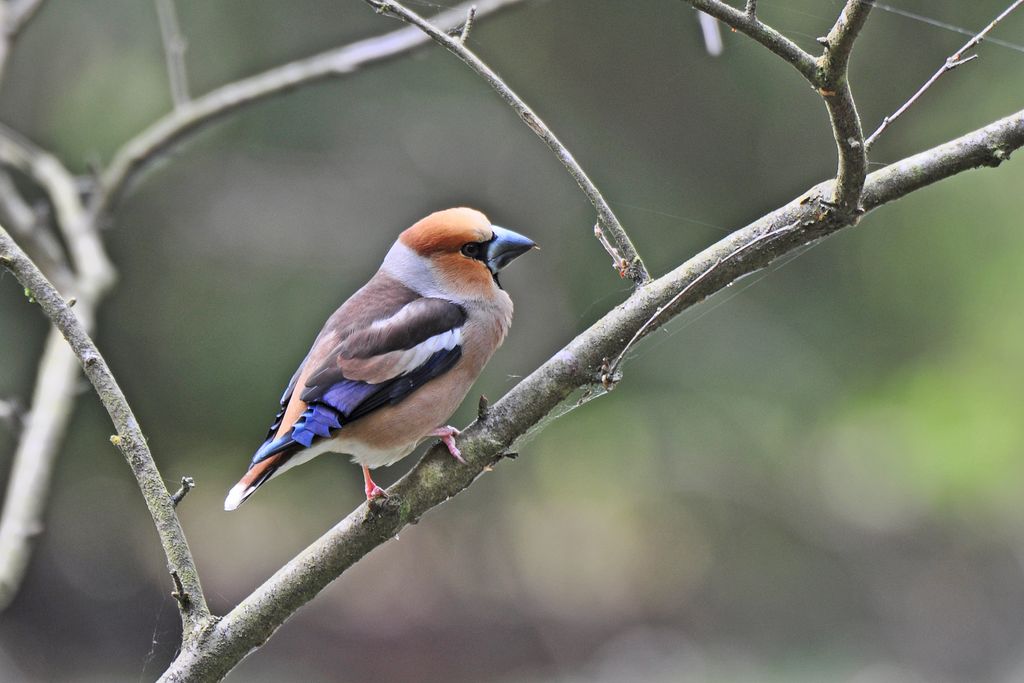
471	249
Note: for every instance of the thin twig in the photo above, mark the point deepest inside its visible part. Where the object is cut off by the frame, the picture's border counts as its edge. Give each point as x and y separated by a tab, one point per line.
954	60
187	484
747	22
751	8
129	437
532	403
635	270
609	370
468	26
138	153
174	50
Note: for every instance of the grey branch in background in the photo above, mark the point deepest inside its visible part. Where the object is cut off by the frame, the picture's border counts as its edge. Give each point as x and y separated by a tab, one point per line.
136	154
624	254
129	438
174	50
87	275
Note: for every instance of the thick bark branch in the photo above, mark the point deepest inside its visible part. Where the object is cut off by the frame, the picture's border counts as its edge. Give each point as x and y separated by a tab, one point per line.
624	255
571	377
129	439
834	86
136	154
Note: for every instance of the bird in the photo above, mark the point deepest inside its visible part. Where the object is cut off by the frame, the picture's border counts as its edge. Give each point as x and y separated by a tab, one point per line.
393	363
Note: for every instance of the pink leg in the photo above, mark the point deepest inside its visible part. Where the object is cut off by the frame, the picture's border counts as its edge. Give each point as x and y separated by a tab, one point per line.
372	490
447	435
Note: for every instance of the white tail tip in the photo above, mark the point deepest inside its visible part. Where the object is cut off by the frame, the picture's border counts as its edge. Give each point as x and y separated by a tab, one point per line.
236	495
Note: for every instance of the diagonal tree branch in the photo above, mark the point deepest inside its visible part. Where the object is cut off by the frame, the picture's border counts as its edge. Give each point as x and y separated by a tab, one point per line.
139	152
571	377
129	438
624	255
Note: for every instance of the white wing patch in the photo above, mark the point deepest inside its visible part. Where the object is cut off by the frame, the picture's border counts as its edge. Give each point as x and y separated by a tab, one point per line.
410	359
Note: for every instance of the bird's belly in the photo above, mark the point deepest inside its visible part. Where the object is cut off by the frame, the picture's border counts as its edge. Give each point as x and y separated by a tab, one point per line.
388	434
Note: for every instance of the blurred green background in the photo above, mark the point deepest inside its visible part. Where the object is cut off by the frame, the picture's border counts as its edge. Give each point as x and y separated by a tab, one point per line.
813	476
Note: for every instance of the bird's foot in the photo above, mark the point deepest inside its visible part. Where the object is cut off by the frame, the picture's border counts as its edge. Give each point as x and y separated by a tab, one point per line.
447	436
372	490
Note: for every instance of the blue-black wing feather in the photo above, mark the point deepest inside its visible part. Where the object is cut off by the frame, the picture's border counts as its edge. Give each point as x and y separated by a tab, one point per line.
345	400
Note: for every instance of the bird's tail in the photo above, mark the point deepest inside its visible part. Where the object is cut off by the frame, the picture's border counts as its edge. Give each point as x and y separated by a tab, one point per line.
257	475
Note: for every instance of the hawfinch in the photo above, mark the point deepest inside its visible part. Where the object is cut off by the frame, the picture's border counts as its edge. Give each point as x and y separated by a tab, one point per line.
395	361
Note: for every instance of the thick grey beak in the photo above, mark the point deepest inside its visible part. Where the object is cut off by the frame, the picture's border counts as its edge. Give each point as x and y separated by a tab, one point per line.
505	247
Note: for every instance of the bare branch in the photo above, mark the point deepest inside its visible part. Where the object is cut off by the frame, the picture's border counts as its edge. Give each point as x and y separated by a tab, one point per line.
954	60
748	23
58	373
833	85
136	154
28	486
174	50
828	75
129	439
635	270
468	26
187	484
571	376
94	272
